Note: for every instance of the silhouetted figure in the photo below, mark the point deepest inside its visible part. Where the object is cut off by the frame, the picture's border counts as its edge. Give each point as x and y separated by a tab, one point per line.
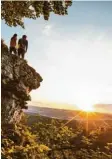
13	44
23	46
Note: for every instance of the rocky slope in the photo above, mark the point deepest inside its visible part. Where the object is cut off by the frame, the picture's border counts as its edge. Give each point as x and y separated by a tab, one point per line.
17	80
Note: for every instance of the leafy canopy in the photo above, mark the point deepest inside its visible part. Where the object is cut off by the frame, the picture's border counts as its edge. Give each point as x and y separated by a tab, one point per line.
13	12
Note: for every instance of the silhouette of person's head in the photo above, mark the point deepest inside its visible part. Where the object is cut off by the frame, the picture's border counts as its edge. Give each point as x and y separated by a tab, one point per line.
15	35
24	37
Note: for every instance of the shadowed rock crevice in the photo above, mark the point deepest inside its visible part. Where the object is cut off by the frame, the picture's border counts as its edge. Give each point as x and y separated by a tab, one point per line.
17	80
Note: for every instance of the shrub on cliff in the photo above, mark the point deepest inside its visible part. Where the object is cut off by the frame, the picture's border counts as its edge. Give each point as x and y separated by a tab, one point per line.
18	142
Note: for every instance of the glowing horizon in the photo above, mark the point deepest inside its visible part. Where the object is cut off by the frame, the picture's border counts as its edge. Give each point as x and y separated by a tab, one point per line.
103	108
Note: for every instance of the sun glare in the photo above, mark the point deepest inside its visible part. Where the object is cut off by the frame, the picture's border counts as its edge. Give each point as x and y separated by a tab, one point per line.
86	107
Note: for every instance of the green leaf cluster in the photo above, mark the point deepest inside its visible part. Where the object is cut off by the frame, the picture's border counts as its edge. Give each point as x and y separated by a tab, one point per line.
18	142
14	12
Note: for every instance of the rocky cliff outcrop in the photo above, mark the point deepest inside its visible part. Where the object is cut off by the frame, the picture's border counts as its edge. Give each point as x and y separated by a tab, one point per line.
17	80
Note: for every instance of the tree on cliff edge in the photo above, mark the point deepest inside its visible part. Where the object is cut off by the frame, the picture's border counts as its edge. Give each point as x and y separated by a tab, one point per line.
13	12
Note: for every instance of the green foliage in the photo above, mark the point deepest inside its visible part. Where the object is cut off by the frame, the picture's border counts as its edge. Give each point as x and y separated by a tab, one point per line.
53	134
91	154
47	138
68	143
13	12
18	142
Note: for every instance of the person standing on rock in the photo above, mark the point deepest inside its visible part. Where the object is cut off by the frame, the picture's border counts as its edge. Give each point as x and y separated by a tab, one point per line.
13	44
23	46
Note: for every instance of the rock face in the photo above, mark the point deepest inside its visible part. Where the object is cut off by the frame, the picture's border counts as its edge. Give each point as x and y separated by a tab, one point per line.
17	80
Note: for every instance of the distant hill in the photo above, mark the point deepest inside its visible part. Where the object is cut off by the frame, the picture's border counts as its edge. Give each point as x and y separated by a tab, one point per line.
104	108
67	114
53	105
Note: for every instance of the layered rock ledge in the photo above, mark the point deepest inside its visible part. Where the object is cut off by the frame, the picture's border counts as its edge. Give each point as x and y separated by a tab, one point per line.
17	80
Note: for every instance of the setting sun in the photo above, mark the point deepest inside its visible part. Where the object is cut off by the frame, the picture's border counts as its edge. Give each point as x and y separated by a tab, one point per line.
86	107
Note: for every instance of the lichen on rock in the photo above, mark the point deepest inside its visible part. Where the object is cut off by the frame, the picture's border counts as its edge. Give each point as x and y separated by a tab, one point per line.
17	78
